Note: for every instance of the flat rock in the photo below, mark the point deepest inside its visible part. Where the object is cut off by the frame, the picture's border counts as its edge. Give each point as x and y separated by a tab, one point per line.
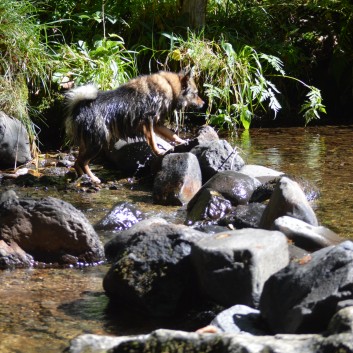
233	266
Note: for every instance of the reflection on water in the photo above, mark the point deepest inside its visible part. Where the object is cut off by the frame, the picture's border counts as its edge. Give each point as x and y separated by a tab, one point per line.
322	155
41	310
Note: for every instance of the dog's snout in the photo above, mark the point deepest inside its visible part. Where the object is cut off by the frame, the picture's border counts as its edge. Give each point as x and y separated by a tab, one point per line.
200	103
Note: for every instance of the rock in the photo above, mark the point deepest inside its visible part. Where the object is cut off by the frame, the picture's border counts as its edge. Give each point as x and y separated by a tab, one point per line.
122	216
14	142
134	156
233	186
264	191
160	341
244	216
90	343
115	247
297	254
233	266
48	229
209	228
204	135
303	297
263	174
216	156
178	180
304	235
153	272
342	321
12	256
209	206
239	319
287	199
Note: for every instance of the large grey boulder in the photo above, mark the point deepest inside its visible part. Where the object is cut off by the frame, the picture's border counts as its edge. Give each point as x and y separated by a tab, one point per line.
287	199
152	269
232	185
304	296
178	180
233	266
216	156
48	229
14	142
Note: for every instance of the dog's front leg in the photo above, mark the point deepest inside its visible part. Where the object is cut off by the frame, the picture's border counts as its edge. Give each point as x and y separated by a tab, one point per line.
150	136
168	134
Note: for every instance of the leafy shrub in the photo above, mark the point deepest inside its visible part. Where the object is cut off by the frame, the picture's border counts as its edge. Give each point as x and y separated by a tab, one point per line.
107	63
24	60
236	82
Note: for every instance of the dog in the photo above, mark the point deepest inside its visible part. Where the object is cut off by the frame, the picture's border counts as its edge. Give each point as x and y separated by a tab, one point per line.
137	108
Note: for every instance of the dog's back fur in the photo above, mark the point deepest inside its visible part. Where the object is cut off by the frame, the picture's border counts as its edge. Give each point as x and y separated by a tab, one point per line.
94	117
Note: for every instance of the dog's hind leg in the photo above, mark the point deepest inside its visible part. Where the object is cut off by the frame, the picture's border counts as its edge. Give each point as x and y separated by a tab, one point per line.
85	155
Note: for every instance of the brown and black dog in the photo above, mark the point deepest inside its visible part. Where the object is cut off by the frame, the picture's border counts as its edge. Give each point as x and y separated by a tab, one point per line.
137	108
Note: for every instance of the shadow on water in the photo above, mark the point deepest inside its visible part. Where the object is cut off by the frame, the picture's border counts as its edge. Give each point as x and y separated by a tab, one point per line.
41	310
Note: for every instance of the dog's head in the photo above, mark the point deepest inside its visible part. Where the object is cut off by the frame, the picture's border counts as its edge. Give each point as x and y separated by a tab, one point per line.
189	97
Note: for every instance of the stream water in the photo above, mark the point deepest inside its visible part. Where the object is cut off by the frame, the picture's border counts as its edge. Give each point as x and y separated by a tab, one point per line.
41	310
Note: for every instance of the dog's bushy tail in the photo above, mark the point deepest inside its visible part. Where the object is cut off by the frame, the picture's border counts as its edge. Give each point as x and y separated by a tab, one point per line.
74	97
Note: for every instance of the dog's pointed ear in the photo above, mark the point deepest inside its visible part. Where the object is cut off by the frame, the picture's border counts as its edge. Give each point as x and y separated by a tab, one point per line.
185	75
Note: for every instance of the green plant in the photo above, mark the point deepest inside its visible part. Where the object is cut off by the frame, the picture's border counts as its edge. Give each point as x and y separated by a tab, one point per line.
107	63
236	82
24	61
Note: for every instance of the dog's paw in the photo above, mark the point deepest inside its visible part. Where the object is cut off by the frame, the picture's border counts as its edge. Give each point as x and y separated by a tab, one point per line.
179	141
95	180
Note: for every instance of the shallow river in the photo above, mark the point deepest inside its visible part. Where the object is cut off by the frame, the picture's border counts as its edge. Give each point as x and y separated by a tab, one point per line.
42	310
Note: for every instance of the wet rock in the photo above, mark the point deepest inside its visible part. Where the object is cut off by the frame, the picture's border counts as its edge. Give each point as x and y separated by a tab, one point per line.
303	297
216	156
14	142
261	173
122	216
12	256
233	186
153	273
264	191
209	206
304	235
239	319
179	341
50	230
115	247
134	156
244	216
233	266
342	321
287	199
204	135
178	180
